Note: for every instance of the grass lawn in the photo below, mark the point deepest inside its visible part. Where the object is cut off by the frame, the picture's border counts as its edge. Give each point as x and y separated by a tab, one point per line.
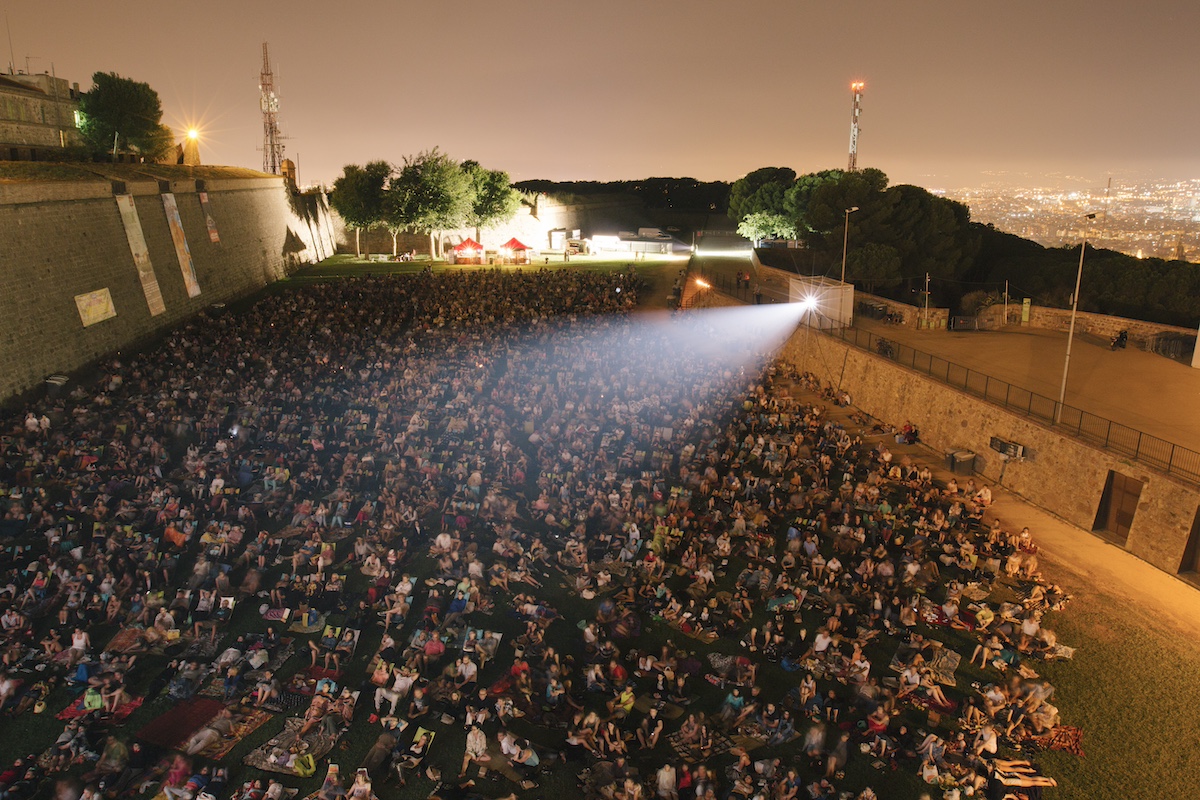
350	266
1132	685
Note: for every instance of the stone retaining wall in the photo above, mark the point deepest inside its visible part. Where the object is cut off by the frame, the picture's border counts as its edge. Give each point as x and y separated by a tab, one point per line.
1059	473
60	240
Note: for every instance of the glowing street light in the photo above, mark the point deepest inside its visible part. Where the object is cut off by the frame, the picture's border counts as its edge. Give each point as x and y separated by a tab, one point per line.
703	284
1062	392
193	134
846	239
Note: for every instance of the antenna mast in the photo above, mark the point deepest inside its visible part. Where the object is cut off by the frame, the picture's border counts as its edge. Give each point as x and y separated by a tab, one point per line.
856	90
272	142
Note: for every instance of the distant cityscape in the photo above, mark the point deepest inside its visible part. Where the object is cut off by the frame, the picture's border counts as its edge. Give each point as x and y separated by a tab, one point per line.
1145	219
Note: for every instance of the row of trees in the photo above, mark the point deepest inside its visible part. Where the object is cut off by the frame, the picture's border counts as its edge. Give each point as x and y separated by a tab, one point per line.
428	193
679	194
900	233
897	231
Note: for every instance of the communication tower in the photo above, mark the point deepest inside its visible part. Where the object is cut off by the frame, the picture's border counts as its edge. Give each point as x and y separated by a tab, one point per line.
272	141
856	90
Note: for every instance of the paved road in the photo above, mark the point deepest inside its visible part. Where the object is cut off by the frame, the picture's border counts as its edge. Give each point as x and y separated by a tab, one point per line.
1144	391
1141	390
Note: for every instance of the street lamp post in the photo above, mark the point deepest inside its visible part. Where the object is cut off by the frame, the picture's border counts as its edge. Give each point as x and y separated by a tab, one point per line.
846	239
1062	392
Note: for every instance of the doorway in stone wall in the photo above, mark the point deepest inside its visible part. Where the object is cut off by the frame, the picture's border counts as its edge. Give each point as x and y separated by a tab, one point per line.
1190	565
1118	504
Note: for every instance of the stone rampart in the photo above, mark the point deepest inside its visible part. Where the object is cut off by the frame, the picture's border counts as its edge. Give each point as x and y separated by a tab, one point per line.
1059	473
63	240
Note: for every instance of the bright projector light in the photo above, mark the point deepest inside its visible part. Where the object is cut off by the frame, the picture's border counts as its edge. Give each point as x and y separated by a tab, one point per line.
809	303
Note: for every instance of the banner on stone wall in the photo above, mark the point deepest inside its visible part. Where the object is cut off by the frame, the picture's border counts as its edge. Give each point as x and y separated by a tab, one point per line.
141	255
95	306
209	219
182	252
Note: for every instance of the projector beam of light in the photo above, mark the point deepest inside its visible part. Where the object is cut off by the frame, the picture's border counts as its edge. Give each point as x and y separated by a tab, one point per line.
704	359
744	252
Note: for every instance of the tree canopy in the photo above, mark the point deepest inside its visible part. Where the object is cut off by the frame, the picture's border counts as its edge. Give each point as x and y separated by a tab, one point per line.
433	193
493	200
761	225
360	196
126	111
761	190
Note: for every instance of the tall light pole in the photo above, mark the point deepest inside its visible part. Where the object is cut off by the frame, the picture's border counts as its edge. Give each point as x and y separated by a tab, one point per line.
846	239
1062	392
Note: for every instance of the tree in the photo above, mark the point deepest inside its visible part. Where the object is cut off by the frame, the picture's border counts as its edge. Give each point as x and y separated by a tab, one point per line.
761	225
433	193
493	200
125	112
874	265
761	190
358	196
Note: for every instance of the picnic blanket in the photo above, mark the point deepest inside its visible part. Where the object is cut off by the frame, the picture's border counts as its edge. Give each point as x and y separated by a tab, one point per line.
977	592
273	756
706	636
645	702
720	744
943	663
305	681
125	640
203	648
299	627
1067	738
76	709
747	743
176	726
1061	651
251	721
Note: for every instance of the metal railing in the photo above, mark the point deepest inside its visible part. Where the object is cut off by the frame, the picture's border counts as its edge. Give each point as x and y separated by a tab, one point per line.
1159	454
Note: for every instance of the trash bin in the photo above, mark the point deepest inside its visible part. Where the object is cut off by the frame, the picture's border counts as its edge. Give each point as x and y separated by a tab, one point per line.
55	384
964	463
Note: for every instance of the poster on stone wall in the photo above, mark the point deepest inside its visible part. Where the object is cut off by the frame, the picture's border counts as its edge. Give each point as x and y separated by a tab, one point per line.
95	306
182	252
141	255
209	219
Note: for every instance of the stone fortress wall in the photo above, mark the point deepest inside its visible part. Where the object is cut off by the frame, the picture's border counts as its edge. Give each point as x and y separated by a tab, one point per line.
1061	474
63	243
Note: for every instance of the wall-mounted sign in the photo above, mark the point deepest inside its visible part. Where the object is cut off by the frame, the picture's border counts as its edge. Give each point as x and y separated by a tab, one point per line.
1010	449
95	306
141	255
181	246
209	219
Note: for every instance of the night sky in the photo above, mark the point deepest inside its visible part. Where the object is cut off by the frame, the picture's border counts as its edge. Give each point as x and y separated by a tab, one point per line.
1032	92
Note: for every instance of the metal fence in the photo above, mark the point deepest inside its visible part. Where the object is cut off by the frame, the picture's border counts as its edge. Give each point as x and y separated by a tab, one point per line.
1159	454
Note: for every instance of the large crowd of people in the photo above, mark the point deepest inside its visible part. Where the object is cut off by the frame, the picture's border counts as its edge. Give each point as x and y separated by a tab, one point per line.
490	519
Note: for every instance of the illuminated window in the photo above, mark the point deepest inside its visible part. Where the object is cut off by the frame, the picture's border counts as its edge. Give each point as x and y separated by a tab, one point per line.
78	119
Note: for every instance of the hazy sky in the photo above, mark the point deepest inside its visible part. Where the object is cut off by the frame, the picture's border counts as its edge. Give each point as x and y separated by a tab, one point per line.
1046	91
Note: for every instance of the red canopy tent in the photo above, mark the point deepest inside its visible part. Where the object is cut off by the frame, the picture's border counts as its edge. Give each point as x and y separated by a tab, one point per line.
468	251
516	252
